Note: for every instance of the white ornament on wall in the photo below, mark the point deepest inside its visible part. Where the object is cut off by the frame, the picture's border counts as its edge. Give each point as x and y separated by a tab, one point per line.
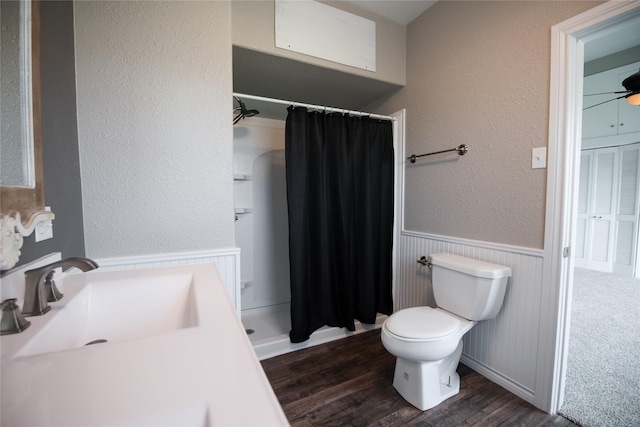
12	234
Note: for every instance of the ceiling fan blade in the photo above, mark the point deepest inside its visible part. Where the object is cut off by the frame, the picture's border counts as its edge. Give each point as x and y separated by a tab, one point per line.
631	83
609	100
606	93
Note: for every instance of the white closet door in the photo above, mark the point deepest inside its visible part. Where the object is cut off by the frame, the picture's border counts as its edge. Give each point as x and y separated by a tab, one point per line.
627	211
601	222
584	209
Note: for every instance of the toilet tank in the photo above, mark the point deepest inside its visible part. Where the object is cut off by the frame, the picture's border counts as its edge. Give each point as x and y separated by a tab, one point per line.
468	287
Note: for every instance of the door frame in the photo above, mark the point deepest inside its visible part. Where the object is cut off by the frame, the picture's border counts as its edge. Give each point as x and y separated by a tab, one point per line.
399	132
565	129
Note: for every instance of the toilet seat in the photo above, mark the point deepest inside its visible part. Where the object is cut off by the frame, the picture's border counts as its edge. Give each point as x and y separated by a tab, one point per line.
422	323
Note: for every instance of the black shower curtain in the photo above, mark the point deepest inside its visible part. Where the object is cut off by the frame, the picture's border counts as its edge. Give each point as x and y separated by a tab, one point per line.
340	204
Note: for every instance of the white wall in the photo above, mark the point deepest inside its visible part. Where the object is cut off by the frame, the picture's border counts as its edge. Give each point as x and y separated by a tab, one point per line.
155	134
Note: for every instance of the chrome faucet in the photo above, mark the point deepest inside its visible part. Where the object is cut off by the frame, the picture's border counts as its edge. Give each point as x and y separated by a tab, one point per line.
39	282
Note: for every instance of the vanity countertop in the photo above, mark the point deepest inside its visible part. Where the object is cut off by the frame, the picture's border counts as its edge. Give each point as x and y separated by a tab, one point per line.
205	375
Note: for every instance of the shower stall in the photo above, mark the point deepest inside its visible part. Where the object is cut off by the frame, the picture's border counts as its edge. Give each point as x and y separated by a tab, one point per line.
261	226
261	232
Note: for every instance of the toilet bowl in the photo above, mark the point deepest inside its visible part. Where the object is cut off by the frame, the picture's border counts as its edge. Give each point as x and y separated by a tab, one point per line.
428	341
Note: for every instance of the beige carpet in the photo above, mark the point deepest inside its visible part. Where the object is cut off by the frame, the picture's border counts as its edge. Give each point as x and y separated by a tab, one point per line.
603	367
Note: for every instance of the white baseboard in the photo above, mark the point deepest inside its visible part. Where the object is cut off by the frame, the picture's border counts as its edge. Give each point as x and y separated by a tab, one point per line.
503	381
275	346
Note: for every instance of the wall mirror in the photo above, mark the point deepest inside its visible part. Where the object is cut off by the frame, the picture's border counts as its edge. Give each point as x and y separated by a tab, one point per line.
17	162
21	179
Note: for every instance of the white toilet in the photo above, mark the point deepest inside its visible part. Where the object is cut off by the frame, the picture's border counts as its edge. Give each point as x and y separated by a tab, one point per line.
428	341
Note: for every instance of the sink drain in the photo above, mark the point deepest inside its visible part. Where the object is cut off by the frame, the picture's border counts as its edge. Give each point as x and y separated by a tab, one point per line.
249	331
100	341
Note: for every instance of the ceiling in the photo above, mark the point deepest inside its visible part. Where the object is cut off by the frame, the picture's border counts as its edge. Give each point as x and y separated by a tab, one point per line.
623	36
620	37
400	11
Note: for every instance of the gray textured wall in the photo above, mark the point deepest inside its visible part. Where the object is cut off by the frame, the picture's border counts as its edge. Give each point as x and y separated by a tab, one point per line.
155	126
59	135
478	74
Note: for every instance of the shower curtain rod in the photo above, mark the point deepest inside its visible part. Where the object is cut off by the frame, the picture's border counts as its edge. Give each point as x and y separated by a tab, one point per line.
314	107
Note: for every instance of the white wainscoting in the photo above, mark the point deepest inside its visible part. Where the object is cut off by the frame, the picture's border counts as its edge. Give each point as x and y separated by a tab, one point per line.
227	261
503	349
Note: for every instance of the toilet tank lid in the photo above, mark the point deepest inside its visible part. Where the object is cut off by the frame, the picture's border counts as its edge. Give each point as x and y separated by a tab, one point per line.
470	266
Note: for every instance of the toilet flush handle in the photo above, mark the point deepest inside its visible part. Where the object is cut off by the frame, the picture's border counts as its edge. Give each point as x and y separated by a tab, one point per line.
424	261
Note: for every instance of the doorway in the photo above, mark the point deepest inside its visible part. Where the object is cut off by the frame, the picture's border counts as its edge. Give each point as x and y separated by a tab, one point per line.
568	43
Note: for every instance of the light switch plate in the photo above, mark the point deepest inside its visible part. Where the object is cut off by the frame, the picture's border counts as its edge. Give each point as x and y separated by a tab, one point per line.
539	158
44	230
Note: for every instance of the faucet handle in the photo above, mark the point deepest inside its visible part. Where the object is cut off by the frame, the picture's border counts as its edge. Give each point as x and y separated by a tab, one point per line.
53	294
36	300
13	321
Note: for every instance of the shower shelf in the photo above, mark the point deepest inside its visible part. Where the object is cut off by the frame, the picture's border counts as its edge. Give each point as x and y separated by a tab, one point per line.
241	177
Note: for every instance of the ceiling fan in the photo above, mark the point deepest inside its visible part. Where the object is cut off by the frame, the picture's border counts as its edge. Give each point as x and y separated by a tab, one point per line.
632	92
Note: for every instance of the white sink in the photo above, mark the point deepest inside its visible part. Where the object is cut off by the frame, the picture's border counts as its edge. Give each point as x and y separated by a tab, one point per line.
176	354
108	311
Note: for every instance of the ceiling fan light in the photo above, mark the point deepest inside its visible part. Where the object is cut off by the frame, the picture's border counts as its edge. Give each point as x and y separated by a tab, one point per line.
634	98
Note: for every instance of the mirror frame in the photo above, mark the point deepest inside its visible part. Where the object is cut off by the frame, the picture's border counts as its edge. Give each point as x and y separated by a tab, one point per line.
21	208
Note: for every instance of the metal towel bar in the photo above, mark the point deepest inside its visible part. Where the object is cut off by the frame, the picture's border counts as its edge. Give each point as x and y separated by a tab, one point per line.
461	149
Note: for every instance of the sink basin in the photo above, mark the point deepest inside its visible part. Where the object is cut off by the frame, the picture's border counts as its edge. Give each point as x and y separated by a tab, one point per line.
108	311
176	353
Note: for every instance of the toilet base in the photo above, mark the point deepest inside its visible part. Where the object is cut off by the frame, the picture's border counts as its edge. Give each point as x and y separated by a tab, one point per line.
427	384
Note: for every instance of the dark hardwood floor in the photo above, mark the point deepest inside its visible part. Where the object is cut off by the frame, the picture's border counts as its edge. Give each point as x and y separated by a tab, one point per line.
349	383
